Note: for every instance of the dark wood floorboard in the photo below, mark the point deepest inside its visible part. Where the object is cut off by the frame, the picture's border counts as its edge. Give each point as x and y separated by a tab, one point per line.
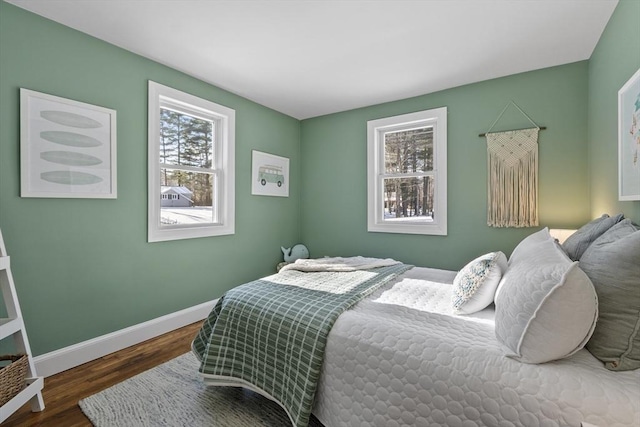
63	391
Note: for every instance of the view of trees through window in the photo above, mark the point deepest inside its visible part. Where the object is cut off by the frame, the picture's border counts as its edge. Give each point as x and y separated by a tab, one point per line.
408	182
186	155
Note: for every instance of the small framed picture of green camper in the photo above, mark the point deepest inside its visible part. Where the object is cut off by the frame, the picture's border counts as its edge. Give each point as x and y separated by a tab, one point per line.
269	174
629	139
67	148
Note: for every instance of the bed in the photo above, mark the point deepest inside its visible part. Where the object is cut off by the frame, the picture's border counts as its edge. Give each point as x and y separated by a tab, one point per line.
402	354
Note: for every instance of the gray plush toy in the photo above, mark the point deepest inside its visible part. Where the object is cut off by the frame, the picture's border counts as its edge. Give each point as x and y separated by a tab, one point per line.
297	252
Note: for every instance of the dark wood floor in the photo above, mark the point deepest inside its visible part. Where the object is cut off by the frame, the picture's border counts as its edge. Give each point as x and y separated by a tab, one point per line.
63	391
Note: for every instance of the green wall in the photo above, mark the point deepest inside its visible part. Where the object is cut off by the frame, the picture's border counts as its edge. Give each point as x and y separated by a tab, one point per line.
83	267
614	60
334	152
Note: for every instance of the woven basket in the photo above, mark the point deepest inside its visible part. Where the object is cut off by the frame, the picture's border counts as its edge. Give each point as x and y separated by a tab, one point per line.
12	376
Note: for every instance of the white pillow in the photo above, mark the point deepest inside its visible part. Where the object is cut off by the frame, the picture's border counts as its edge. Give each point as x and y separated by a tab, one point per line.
529	245
524	249
547	306
475	285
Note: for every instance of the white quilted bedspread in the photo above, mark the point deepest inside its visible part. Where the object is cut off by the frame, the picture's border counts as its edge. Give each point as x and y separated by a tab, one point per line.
401	358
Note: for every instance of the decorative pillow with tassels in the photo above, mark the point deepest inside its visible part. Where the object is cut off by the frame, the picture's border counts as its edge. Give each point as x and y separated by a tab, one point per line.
475	285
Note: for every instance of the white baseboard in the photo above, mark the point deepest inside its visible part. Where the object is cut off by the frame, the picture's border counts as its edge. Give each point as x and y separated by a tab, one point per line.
75	355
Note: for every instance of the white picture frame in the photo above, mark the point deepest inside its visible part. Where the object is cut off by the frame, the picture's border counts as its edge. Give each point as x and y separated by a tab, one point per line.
629	139
269	174
67	148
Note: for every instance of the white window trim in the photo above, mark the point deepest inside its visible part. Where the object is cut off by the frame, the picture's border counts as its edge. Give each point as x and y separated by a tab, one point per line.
225	179
376	129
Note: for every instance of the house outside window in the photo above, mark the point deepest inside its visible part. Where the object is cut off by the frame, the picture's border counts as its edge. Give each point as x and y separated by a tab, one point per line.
407	173
191	166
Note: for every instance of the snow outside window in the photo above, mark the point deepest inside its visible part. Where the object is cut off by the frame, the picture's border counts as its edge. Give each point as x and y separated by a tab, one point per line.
191	166
407	173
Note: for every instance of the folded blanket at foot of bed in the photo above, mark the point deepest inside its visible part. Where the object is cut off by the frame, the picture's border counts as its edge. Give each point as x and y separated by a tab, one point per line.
269	335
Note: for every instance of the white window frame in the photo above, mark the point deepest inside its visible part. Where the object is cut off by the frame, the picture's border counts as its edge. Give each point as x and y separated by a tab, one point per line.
161	96
376	130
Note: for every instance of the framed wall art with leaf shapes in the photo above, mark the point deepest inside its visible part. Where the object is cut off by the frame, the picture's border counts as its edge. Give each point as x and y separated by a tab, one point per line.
67	148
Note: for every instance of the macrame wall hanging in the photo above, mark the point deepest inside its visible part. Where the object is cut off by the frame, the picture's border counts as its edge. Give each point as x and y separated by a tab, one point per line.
512	165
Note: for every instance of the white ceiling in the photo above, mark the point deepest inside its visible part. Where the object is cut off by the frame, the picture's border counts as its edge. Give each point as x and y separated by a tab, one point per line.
309	58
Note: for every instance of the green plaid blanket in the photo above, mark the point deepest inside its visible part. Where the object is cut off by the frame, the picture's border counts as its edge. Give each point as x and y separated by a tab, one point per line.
269	335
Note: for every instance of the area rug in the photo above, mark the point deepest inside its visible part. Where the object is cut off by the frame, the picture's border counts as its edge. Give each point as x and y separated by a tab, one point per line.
173	394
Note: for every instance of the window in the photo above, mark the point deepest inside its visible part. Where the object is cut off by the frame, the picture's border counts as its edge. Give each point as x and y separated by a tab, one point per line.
191	166
407	173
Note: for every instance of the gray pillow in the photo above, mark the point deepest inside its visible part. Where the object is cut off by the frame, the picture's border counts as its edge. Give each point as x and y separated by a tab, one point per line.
612	263
578	242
